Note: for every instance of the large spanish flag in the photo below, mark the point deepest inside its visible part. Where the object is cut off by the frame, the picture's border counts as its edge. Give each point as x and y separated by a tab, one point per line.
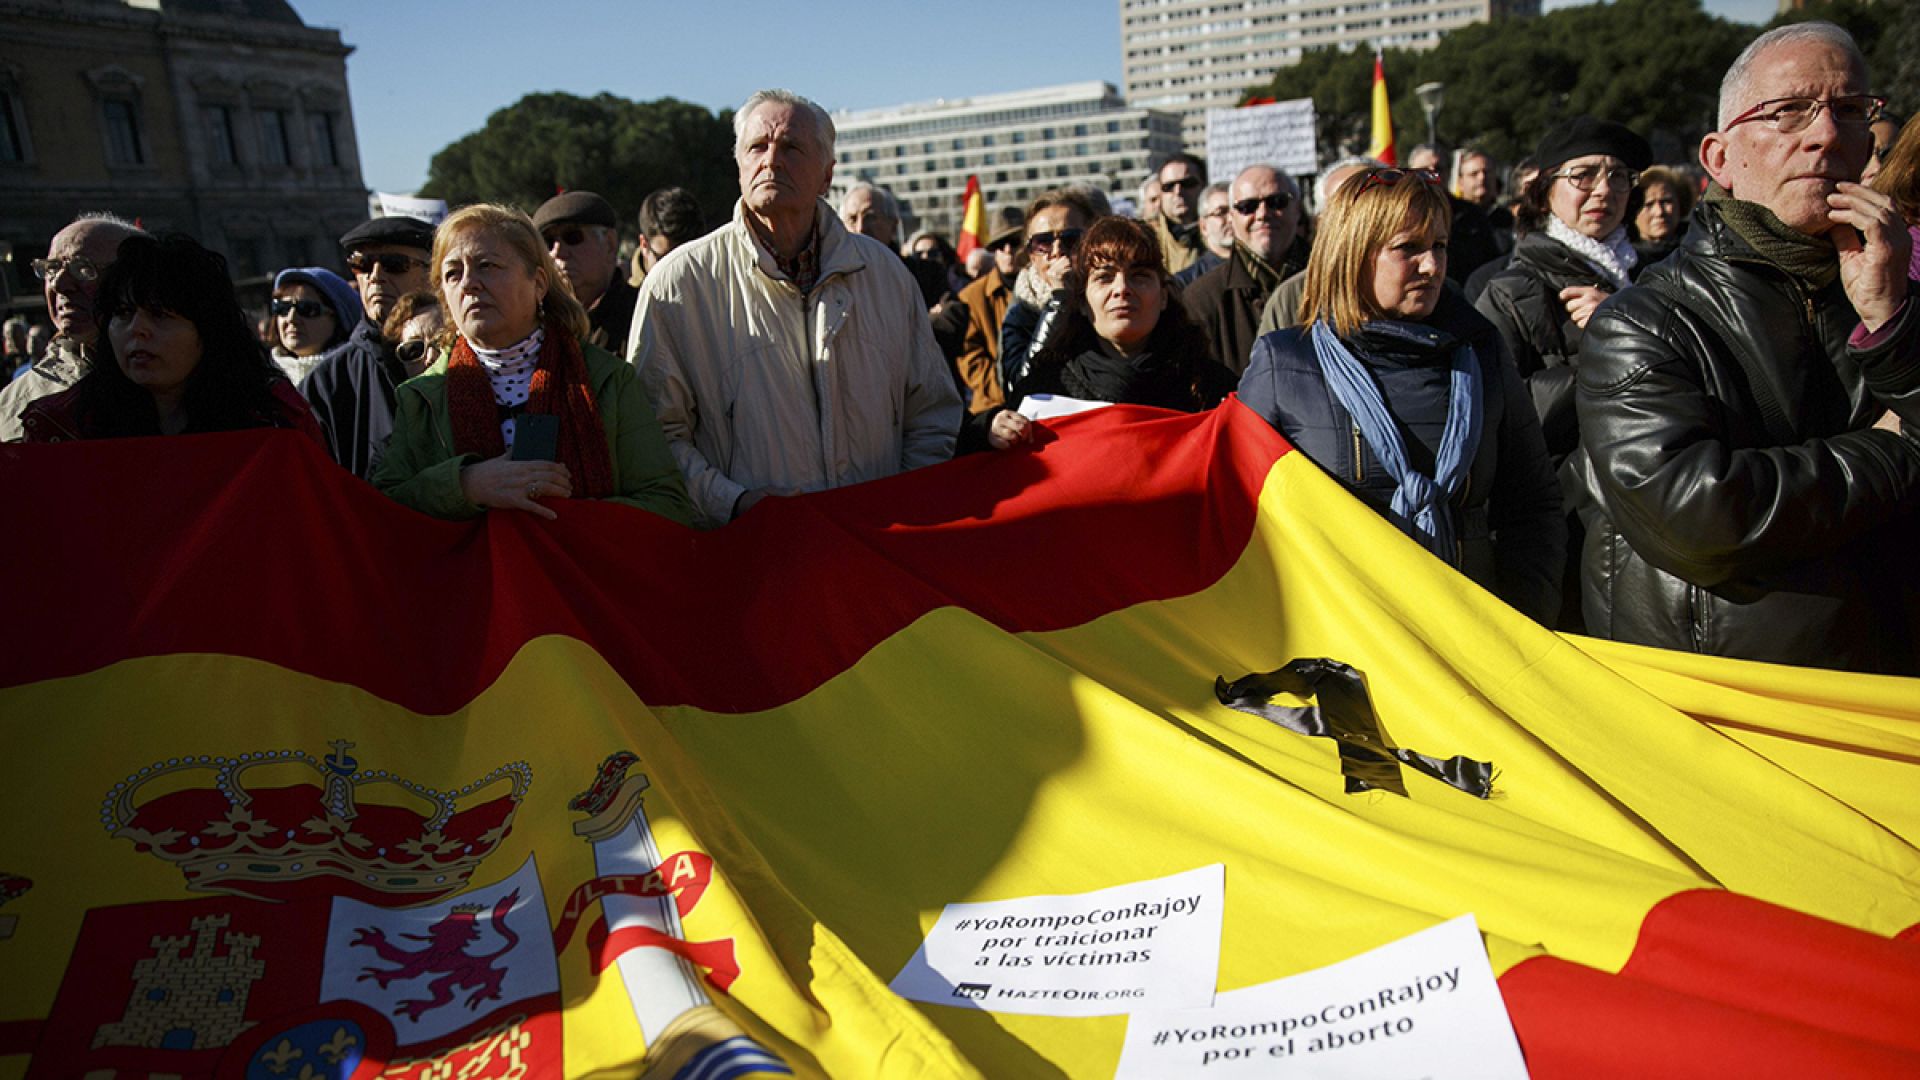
300	783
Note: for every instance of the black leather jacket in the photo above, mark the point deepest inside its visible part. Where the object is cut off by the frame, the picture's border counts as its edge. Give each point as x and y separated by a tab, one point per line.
1705	531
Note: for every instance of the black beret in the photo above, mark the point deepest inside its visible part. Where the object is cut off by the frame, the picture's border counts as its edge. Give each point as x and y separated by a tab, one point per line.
575	208
1584	135
404	231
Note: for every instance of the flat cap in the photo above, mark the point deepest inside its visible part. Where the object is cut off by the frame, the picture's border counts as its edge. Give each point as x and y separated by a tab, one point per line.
404	231
575	208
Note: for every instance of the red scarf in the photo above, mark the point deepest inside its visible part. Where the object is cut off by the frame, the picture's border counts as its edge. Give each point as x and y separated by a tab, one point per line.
559	388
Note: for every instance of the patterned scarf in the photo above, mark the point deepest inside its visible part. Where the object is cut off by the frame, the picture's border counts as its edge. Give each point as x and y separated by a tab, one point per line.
1613	257
559	389
1812	259
1424	503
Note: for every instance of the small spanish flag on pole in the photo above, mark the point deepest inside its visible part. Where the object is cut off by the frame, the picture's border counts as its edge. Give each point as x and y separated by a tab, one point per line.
1381	149
973	219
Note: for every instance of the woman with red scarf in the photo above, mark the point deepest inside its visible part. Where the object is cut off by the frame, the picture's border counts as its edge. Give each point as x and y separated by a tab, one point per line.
518	371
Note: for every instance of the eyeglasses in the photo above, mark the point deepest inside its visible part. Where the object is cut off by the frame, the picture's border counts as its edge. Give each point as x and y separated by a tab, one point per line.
1011	243
1188	183
411	351
571	237
306	309
1062	242
83	268
1788	115
1389	177
362	263
1587	177
1276	202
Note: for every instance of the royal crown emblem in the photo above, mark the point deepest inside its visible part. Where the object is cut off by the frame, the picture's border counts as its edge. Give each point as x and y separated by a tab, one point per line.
280	824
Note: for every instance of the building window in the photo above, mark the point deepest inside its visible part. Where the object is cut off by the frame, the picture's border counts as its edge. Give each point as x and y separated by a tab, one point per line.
13	129
274	148
326	151
220	135
122	122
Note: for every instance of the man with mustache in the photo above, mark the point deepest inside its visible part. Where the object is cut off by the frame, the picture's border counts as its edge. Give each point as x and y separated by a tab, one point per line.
784	353
71	271
1749	410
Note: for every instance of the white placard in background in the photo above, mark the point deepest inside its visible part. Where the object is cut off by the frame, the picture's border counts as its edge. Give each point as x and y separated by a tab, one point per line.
1044	406
1280	135
1151	943
1425	1006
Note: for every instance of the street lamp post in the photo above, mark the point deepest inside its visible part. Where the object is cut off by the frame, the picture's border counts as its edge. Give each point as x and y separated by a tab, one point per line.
1431	94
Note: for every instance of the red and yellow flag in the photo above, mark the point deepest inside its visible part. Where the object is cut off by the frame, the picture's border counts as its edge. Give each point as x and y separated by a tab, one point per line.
299	778
973	220
1381	147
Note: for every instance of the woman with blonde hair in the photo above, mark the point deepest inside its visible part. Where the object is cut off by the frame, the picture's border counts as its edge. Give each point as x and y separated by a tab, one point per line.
1402	392
520	409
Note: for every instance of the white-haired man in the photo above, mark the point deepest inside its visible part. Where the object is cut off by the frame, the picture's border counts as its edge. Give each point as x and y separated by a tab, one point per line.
71	272
783	353
1264	214
1749	410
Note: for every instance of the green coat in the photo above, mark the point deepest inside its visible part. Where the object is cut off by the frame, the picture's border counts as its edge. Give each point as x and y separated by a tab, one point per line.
421	469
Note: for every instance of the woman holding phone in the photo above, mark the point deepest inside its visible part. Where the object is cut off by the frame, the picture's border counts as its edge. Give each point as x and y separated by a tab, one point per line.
520	411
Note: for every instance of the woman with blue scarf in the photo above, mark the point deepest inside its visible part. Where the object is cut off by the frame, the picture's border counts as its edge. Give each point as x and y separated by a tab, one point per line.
1399	389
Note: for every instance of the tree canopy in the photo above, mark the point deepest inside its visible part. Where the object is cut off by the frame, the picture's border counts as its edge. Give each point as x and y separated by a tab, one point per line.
1653	65
545	143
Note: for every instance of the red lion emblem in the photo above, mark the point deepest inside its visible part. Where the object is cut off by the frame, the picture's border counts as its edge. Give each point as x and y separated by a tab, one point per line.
445	955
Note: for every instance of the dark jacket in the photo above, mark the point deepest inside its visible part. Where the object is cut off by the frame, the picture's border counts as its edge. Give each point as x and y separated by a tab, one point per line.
1707	531
57	418
352	395
1471	242
1523	302
1508	521
612	317
1227	303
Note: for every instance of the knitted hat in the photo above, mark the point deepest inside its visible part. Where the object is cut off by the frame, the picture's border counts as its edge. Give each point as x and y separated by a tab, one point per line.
1584	135
331	286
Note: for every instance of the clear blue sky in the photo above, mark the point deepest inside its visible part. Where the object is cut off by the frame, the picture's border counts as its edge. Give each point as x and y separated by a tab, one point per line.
424	74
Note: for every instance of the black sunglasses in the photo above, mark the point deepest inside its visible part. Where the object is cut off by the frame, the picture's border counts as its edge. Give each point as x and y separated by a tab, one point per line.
362	263
306	309
411	351
1188	183
572	236
1063	241
1277	202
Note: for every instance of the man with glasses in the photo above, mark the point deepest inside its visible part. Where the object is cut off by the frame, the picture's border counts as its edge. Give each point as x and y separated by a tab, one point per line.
582	235
71	272
1749	410
1178	225
352	389
1216	233
986	301
1264	214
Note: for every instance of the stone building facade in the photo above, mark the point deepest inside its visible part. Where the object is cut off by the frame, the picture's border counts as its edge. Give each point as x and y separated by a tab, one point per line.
226	119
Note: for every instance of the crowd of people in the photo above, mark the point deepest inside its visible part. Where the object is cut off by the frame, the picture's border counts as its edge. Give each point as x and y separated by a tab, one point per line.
1674	404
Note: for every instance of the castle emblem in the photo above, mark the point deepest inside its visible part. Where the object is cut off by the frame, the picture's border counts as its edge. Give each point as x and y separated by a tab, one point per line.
191	994
279	824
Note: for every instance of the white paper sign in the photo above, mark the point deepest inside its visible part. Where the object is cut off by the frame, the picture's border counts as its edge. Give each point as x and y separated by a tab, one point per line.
1151	943
1425	1006
1280	135
1042	406
386	204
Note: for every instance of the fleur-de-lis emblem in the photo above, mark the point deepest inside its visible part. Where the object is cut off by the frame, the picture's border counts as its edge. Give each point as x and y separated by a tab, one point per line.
336	1048
282	1057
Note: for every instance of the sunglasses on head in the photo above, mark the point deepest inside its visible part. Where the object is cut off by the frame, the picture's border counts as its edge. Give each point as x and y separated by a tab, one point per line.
1391	176
1276	202
306	309
393	263
571	236
1062	241
411	350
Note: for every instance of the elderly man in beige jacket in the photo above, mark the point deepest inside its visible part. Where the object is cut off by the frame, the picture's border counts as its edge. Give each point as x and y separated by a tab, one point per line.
783	353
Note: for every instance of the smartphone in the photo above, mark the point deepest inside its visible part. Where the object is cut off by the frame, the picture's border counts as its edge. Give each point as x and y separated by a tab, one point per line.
536	437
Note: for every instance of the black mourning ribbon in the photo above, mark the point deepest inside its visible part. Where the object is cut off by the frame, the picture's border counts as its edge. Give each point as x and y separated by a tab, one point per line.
1342	710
